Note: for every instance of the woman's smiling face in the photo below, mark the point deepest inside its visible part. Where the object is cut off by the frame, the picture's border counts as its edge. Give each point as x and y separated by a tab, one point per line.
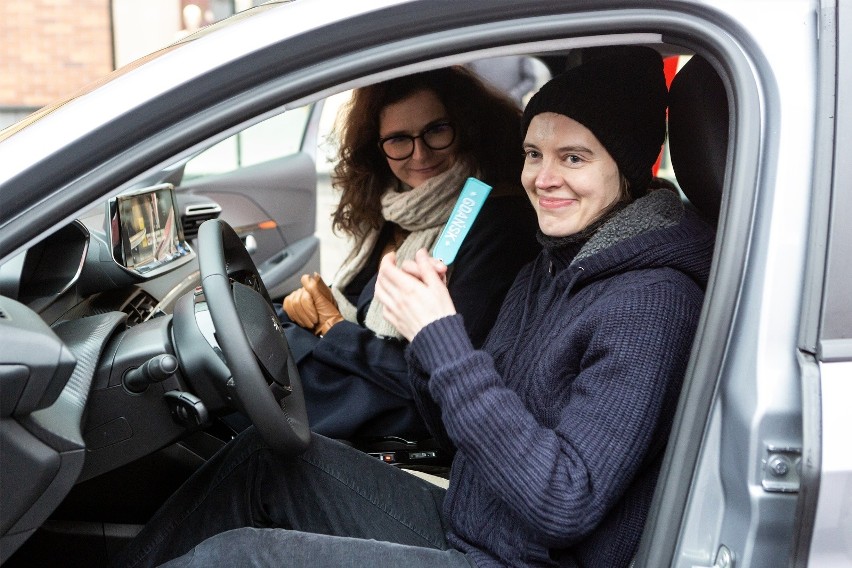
411	116
568	175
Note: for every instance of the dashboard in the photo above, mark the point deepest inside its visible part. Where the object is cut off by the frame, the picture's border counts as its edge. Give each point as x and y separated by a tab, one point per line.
128	256
81	311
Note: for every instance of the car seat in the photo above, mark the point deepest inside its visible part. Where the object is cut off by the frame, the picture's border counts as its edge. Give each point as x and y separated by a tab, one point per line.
698	135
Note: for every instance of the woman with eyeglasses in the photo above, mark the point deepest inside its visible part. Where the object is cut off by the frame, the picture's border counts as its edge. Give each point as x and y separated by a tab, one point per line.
406	148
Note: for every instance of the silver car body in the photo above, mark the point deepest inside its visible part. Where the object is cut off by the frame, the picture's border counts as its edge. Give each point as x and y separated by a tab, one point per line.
771	371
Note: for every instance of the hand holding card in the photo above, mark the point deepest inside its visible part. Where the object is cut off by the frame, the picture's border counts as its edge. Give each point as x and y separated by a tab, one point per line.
415	295
467	207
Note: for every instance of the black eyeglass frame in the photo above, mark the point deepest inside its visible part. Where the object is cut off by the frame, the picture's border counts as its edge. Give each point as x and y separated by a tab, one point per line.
422	136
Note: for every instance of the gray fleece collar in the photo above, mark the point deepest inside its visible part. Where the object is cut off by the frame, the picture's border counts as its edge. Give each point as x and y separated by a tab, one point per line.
659	209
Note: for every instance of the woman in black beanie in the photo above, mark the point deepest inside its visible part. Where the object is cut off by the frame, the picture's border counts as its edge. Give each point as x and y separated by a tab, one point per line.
559	420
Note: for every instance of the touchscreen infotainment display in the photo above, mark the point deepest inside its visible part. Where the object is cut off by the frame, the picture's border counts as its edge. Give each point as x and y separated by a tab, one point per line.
149	231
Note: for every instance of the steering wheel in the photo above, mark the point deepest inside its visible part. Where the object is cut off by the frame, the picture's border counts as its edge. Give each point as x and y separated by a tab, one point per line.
249	334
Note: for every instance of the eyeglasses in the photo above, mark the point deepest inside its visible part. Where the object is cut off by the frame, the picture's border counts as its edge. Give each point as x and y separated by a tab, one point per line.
401	146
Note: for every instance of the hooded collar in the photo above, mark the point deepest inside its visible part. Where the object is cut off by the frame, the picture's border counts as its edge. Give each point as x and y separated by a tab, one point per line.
653	231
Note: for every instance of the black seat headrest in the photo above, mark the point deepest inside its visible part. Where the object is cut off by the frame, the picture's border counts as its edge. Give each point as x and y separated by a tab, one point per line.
698	135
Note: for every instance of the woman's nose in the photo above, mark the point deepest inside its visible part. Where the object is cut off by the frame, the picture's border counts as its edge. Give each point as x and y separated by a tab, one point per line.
421	150
546	177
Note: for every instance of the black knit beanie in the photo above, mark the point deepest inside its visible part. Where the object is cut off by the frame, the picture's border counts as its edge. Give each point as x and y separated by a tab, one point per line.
620	95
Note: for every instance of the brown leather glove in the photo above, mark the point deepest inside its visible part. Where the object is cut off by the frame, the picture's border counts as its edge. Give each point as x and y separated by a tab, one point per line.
300	308
328	314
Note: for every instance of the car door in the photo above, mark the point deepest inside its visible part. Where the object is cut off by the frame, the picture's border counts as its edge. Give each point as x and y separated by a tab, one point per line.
758	469
825	515
263	182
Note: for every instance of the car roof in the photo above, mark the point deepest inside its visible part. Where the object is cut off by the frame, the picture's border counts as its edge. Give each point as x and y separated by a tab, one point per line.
284	53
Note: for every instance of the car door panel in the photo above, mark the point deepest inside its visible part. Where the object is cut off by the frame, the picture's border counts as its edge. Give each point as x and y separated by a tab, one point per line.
272	206
282	272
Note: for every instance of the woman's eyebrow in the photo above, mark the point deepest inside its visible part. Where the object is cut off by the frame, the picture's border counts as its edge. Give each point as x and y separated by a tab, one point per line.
413	133
575	148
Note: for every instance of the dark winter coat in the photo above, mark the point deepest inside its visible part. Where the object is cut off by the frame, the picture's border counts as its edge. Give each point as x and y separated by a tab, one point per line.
356	384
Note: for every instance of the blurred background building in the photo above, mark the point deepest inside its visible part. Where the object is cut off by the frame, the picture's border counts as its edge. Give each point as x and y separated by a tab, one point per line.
50	49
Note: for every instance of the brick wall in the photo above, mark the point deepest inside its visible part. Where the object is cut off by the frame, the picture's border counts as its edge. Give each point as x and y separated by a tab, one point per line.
49	49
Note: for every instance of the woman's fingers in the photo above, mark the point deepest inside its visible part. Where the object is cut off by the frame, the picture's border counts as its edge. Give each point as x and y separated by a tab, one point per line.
300	308
307	280
412	267
322	288
414	294
431	270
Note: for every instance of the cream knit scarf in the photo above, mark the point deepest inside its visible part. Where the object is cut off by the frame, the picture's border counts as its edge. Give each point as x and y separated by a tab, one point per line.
422	210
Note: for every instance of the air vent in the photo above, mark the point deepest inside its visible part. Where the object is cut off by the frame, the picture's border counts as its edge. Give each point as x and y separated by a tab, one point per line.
196	214
140	307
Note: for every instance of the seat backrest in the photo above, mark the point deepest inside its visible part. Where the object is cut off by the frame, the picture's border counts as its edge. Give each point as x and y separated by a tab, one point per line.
698	135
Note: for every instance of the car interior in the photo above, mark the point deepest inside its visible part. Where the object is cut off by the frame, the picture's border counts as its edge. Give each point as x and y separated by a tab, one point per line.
130	391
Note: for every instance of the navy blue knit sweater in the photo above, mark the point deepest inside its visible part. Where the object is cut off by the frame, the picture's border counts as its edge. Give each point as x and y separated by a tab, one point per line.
560	420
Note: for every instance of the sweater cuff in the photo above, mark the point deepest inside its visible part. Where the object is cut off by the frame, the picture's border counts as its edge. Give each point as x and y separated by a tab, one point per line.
442	342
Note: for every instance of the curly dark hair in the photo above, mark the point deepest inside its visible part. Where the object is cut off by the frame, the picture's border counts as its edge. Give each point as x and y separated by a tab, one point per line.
487	129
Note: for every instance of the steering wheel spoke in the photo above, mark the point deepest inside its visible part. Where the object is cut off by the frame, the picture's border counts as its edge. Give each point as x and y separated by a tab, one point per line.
249	334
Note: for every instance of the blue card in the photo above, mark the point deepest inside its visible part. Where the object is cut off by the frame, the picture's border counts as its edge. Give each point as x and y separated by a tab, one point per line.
467	207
